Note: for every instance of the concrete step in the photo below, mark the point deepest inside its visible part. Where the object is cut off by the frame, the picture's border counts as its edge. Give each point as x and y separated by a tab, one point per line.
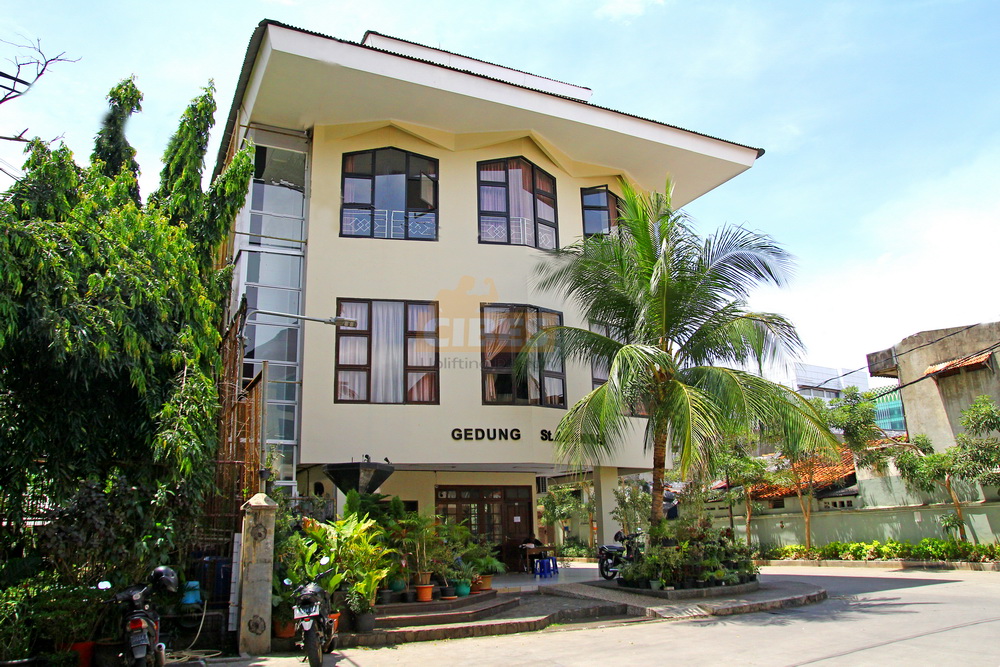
480	609
411	608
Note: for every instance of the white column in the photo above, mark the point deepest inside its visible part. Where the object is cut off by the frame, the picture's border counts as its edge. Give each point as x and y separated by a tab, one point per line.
605	482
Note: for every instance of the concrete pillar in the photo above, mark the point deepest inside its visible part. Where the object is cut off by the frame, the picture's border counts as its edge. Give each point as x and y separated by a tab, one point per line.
605	482
256	567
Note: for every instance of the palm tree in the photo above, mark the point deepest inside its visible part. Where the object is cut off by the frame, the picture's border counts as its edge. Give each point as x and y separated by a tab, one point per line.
668	309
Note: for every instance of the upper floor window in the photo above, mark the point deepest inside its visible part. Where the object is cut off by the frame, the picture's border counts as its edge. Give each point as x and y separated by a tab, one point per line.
391	356
600	210
517	204
389	194
505	330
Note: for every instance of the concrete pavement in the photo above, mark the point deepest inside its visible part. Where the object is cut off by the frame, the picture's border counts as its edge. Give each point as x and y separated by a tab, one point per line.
873	617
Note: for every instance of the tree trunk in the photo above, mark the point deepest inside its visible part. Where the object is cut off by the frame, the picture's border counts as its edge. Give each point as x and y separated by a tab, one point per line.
732	524
806	508
659	463
749	512
958	508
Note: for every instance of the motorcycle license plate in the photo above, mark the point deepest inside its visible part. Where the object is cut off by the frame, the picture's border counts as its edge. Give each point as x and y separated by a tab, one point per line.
139	639
304	612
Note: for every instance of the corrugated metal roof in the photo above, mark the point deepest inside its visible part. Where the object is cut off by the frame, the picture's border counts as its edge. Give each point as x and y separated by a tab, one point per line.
257	36
974	361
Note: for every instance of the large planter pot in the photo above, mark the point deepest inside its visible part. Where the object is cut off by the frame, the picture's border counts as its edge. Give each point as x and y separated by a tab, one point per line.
463	588
485	582
397	585
447	592
410	596
425	593
365	622
655	584
385	597
85	651
283	629
424	578
476	586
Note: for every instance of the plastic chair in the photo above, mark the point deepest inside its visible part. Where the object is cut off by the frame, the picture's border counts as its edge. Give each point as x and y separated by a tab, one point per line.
542	567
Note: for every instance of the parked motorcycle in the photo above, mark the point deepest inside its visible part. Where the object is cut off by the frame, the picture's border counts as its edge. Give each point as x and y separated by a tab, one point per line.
312	613
611	557
141	645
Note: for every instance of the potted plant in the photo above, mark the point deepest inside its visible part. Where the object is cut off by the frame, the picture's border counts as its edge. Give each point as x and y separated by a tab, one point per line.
486	566
361	607
282	621
464	573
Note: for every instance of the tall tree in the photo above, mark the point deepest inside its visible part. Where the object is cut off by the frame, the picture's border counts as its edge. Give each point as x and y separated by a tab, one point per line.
674	305
111	146
109	339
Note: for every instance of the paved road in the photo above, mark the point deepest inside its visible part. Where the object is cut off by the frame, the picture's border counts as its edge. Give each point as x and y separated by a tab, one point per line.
873	617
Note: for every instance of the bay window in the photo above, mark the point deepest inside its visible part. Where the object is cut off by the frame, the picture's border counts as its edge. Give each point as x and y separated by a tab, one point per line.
390	355
506	329
517	204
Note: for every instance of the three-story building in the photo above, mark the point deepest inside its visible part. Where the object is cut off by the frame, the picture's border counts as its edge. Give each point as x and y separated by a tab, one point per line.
413	191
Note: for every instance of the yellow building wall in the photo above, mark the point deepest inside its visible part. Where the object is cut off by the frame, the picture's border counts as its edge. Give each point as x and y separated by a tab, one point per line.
459	273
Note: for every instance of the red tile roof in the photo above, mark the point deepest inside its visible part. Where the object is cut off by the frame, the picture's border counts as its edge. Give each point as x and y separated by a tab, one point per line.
953	366
824	474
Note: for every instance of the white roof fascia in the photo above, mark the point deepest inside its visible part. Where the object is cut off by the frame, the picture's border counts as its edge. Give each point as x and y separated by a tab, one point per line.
354	56
456	61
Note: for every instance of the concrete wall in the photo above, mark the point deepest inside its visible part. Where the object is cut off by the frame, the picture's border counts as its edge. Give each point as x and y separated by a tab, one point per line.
865	525
420	485
934	406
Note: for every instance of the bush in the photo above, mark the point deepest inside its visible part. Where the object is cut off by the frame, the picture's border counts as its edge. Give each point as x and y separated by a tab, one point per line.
574	547
929	548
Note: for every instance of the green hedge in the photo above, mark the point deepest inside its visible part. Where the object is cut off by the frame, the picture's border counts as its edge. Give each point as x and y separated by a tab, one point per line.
928	548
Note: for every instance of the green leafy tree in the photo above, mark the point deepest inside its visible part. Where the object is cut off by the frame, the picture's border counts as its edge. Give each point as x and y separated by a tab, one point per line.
561	504
975	458
109	338
632	504
742	473
674	306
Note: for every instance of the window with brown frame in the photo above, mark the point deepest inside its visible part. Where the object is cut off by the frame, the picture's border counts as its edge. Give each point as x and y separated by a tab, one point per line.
517	204
389	193
600	210
506	328
391	355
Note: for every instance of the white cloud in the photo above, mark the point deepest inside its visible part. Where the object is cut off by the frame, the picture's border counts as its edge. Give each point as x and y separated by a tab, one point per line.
929	262
622	10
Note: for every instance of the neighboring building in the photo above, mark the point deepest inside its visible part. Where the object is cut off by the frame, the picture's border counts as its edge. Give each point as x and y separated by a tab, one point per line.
889	414
410	189
822	381
940	373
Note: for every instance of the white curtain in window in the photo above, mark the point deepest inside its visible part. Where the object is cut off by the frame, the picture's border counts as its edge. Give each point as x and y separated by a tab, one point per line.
387	352
495	321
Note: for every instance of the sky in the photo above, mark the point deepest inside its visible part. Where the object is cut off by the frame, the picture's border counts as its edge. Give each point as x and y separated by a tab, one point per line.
879	119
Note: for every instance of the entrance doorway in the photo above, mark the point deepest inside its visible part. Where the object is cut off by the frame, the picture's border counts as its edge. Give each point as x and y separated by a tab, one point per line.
501	515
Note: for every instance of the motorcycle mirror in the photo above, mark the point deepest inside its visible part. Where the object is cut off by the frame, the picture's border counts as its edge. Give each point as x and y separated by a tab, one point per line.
104	585
287	581
324	560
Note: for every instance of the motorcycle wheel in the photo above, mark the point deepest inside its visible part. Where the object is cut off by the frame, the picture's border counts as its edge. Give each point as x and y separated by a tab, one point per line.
310	640
604	567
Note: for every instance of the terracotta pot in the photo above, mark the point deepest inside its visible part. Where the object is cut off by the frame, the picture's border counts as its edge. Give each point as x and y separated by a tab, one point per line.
476	586
425	593
424	578
485	582
283	629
